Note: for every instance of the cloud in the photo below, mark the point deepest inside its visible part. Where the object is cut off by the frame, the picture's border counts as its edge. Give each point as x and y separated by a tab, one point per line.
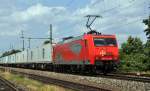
8	33
120	17
36	11
26	19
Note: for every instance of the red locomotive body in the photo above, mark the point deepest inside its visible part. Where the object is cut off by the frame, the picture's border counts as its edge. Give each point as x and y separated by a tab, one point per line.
98	51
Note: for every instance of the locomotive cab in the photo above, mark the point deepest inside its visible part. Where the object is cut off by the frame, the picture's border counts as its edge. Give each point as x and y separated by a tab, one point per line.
103	51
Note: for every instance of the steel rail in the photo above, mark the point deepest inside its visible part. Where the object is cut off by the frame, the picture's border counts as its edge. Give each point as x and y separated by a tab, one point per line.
12	86
127	77
119	76
66	84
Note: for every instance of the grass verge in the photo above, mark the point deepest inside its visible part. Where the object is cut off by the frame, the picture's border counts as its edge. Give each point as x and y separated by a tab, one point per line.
29	84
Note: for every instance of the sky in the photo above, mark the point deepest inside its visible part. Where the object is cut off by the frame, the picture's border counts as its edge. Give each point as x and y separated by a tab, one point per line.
120	17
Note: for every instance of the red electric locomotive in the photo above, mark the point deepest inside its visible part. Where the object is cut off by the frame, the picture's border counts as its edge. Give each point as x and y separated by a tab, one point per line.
92	52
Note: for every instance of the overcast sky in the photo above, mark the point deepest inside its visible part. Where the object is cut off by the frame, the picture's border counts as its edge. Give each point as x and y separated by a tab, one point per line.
119	17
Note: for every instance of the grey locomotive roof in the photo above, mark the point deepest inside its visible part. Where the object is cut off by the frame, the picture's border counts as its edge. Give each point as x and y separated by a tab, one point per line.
69	40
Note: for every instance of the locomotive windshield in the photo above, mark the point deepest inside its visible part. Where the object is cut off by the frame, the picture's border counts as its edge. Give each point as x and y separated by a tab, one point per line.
105	42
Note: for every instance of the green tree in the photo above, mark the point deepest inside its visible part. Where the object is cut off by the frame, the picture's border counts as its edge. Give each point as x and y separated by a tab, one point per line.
147	48
147	45
135	62
133	45
147	30
134	56
147	51
13	51
46	42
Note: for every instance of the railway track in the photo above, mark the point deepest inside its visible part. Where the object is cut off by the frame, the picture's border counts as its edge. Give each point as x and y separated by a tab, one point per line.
127	77
66	84
45	78
121	76
6	85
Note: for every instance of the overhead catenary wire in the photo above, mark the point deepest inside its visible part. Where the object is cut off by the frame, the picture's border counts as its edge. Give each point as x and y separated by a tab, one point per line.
36	38
105	11
116	7
122	19
124	8
60	32
22	33
122	25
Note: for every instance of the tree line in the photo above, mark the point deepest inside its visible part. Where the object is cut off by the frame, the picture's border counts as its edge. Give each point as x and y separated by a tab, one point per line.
134	54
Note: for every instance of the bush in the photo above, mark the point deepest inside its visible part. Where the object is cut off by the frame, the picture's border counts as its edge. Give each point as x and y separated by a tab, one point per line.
135	62
134	55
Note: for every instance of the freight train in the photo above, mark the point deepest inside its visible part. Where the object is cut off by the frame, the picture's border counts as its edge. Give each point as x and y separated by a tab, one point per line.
90	52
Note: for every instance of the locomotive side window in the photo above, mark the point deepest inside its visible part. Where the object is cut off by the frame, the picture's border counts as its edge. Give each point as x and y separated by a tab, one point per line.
105	42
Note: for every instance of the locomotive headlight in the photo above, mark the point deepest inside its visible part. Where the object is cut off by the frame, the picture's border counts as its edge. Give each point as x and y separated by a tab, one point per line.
109	54
115	58
97	58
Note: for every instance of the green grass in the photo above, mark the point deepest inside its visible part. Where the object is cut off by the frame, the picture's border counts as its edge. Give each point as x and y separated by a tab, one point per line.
31	85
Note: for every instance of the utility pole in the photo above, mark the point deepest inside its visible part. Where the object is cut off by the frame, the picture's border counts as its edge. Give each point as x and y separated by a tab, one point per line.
149	9
33	38
10	47
149	14
51	40
29	40
50	35
22	36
